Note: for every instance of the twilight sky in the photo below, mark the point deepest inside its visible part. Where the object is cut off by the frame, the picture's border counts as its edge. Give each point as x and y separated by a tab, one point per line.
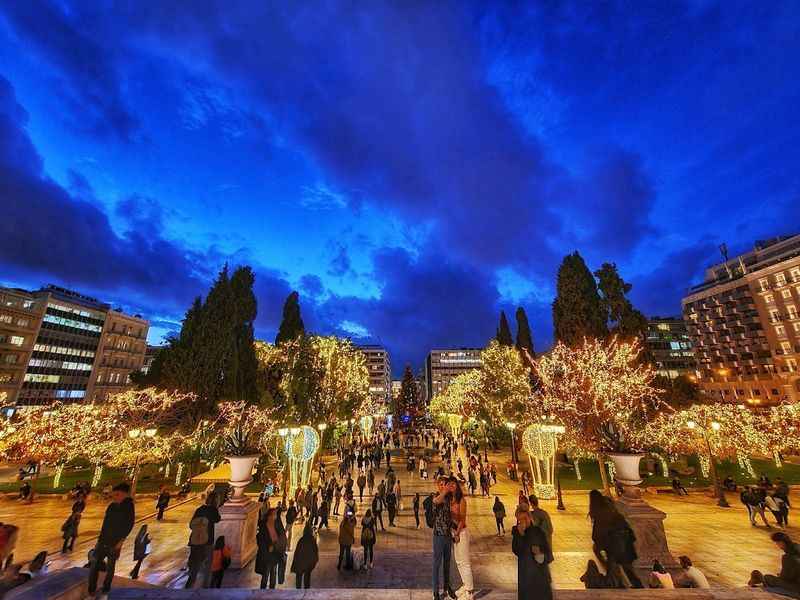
410	168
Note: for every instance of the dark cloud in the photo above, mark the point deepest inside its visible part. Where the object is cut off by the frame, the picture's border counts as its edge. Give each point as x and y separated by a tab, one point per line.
311	285
339	265
90	85
49	233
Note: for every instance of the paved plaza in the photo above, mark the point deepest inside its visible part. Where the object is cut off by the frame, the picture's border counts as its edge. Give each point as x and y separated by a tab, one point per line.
720	541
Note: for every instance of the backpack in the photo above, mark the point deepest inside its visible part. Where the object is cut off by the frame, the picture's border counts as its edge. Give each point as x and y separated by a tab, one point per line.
367	535
428	506
199	528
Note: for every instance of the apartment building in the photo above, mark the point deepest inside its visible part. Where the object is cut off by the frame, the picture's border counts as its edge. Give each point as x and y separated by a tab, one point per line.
745	327
20	318
74	348
441	366
670	347
380	371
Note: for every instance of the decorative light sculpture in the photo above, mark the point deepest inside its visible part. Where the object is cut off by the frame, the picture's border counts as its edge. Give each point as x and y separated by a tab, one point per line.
366	422
179	474
540	441
301	445
454	421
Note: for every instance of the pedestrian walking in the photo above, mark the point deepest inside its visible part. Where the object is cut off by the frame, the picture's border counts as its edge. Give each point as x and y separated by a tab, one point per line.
391	507
270	549
613	538
323	514
499	510
370	481
70	531
416	509
347	536
305	559
529	544
141	550
201	539
377	509
117	524
162	502
368	537
291	517
362	483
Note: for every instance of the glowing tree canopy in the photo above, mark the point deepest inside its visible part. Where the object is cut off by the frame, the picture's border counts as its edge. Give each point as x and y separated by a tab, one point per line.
503	384
600	392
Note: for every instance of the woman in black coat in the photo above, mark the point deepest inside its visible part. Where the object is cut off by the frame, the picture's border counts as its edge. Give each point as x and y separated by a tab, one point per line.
140	550
269	550
306	557
529	543
614	540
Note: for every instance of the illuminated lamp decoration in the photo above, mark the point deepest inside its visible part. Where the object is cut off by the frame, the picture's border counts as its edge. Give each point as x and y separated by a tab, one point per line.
178	474
57	478
301	445
98	474
366	423
454	421
540	442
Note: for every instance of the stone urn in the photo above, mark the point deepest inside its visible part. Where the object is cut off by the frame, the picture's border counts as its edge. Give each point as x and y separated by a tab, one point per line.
627	467
241	475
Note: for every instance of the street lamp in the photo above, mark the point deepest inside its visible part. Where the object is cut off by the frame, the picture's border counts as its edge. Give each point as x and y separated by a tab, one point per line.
719	492
511	426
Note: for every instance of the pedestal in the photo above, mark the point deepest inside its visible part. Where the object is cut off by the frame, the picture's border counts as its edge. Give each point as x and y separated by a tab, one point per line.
238	525
647	523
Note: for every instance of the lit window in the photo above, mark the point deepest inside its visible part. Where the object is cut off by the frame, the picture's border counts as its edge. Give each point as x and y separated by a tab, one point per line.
792	310
787	293
769	298
780	331
5	319
17	340
786	347
764	283
780	279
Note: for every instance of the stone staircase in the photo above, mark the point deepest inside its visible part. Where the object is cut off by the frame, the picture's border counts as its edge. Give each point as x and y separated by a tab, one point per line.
400	594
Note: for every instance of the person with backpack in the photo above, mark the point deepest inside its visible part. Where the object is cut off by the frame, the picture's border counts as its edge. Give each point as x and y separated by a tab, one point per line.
499	511
306	557
220	561
377	509
141	549
368	537
162	502
117	524
70	531
201	538
269	552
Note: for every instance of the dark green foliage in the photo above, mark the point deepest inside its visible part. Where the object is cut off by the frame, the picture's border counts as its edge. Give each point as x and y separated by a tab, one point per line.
524	336
622	317
213	356
680	393
407	401
577	309
504	331
292	323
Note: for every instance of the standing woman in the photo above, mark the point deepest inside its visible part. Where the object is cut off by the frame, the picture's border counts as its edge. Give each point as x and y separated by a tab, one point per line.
416	508
613	538
368	537
141	548
529	544
306	557
499	511
267	557
458	512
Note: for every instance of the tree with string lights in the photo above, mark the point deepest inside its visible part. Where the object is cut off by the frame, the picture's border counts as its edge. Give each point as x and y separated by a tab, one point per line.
601	392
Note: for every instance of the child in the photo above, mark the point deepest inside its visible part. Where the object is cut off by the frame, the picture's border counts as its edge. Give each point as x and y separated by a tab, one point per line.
220	561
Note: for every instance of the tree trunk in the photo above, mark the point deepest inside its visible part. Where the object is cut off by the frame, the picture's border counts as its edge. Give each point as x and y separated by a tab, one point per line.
603	475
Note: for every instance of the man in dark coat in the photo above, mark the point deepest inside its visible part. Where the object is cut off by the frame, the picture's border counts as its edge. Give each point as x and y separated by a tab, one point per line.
117	524
163	502
306	557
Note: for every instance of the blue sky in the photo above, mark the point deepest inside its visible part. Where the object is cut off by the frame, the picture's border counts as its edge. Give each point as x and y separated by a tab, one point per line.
410	168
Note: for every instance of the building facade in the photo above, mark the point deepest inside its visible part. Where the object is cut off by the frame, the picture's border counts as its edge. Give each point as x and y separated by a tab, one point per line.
76	344
380	372
744	322
670	347
441	366
20	318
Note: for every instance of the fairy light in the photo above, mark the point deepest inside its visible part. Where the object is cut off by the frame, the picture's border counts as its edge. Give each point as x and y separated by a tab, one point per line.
178	474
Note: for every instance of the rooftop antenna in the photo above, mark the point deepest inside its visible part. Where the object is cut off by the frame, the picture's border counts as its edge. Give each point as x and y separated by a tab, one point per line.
723	248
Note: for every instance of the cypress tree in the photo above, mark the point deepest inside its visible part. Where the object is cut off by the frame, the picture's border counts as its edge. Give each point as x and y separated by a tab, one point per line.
504	331
524	336
245	374
577	310
624	319
292	323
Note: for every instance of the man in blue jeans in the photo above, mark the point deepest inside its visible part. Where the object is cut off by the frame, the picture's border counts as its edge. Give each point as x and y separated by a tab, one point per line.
442	534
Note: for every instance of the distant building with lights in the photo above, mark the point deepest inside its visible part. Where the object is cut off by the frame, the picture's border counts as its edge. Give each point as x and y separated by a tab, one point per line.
59	345
744	321
670	347
380	371
441	366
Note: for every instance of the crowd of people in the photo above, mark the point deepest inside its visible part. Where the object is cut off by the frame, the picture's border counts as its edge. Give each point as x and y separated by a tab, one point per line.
361	498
